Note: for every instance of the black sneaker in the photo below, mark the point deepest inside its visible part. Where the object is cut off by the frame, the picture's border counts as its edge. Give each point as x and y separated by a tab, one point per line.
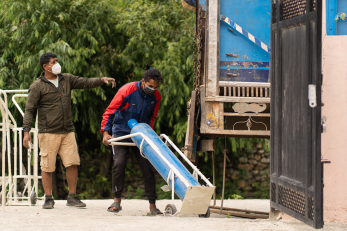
75	201
49	204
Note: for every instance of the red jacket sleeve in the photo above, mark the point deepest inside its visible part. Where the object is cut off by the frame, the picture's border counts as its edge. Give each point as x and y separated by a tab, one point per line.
115	105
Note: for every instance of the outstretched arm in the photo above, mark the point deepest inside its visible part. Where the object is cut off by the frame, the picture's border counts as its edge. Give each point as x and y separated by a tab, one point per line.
86	83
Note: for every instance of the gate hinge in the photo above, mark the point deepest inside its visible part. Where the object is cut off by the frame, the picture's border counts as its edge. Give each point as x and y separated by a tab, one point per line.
312	97
324	126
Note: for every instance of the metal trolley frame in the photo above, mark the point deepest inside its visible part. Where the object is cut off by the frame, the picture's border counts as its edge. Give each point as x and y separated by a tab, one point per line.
170	208
9	190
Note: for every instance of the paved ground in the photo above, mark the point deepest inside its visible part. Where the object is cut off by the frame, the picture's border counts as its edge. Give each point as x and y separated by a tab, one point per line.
133	217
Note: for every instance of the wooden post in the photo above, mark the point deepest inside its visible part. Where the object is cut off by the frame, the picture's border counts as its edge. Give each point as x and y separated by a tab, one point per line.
224	167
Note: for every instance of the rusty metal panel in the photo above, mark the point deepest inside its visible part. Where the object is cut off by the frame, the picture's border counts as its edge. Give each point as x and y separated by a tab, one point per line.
203	110
221	116
212	115
219	41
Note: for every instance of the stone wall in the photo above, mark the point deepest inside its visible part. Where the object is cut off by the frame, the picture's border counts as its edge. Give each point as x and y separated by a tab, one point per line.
251	173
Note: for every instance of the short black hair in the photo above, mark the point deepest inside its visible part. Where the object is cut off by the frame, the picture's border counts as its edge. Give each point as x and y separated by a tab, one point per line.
152	73
44	59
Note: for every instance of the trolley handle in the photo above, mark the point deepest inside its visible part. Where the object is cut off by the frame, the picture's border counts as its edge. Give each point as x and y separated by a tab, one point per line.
187	160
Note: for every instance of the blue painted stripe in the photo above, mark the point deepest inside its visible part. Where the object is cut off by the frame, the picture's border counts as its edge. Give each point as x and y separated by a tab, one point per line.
245	75
246	68
258	42
242	64
245	33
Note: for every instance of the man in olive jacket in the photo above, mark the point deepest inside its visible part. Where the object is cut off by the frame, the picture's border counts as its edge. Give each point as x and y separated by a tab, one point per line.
51	95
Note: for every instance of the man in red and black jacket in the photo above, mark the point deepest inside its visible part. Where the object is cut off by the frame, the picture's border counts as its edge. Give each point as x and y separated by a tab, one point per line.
140	101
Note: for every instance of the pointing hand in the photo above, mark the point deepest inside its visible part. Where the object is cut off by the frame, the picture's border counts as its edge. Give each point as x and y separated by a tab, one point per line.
109	80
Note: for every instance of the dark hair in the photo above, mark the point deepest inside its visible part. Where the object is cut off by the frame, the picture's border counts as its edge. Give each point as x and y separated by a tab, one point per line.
152	73
44	59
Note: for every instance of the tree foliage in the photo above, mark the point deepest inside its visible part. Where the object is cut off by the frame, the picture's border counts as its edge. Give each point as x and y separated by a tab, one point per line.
101	38
98	38
160	33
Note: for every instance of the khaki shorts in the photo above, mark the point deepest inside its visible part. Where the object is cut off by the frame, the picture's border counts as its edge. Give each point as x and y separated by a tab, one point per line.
64	144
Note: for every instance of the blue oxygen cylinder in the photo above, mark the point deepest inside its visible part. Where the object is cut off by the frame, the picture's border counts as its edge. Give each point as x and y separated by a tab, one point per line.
157	161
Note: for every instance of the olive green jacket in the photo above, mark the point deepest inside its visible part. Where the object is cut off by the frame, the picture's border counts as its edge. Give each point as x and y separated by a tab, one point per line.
54	104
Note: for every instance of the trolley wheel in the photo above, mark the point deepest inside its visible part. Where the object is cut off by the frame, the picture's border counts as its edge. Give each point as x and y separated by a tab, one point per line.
207	215
33	198
170	209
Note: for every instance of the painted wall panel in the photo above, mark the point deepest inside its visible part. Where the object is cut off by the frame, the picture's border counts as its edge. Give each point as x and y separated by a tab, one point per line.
254	17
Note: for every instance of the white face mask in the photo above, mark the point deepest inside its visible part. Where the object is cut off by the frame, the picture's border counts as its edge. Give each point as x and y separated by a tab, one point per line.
56	69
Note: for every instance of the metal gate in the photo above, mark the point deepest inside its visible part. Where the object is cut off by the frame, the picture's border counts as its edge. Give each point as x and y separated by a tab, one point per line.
296	168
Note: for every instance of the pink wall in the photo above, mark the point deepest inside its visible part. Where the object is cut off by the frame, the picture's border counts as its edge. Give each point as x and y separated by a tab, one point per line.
334	141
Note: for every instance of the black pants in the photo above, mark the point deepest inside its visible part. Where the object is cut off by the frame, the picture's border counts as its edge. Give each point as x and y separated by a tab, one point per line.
120	157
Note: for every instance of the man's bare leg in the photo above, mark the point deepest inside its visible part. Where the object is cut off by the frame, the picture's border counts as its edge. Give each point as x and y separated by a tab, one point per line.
151	207
47	187
71	176
118	200
47	182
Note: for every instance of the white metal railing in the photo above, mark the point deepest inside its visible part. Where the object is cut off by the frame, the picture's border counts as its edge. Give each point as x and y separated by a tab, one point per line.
3	173
9	124
245	89
15	91
16	104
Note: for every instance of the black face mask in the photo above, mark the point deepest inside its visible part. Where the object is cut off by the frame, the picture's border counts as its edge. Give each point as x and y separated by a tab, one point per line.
148	90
